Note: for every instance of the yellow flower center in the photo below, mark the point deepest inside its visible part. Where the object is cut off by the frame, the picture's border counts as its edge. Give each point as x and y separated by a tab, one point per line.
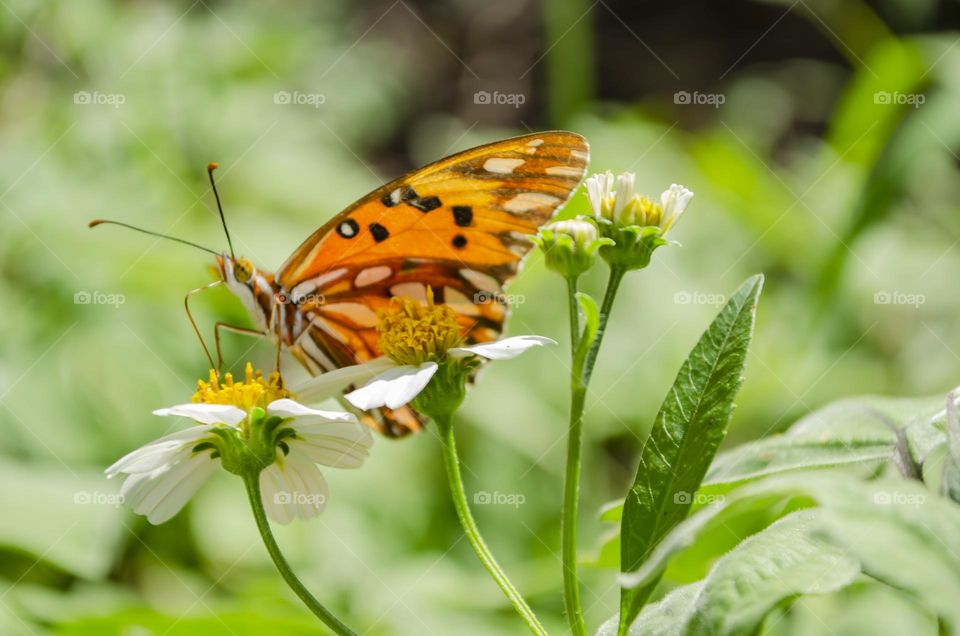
642	211
253	391
413	333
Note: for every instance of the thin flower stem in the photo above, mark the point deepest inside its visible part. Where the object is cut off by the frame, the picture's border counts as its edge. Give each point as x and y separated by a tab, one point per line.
613	285
459	495
263	525
579	380
574	308
571	481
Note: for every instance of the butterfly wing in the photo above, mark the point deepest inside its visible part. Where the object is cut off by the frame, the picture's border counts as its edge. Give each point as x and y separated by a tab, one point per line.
460	225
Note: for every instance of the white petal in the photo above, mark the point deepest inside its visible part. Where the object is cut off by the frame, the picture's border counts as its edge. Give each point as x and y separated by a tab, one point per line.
162	493
332	383
674	201
502	349
393	388
293	487
625	188
304	415
599	187
206	413
346	432
158	453
271	485
337	445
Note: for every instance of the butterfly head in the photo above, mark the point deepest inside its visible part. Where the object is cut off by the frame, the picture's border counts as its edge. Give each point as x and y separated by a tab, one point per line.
233	271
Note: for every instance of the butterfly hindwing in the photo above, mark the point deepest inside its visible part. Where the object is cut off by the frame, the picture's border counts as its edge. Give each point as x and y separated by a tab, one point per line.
460	225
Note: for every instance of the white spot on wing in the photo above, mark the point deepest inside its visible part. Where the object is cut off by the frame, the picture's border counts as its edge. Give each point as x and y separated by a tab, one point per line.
565	171
526	201
483	282
307	287
316	354
355	312
579	154
325	327
501	165
459	303
416	291
372	275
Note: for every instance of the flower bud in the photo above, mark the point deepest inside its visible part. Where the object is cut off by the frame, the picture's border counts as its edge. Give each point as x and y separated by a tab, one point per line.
570	247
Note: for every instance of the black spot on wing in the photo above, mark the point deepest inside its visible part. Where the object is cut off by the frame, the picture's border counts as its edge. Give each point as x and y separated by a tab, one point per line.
379	232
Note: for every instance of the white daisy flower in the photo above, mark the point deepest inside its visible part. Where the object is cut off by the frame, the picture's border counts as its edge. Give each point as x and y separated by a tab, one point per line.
417	340
616	200
284	439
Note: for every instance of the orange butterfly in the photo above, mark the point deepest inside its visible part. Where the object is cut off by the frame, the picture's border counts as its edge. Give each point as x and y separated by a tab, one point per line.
460	225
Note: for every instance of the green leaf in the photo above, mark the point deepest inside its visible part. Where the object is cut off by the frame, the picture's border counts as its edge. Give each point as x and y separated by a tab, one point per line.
591	323
950	484
849	432
688	430
901	534
767	569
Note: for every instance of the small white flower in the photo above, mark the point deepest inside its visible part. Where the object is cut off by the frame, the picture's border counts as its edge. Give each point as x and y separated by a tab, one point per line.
163	475
616	200
392	385
674	201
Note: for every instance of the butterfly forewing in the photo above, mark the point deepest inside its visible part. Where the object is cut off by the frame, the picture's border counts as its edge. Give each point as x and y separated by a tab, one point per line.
460	225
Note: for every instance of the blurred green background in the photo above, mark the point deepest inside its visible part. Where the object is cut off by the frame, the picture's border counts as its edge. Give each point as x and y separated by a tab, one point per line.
821	140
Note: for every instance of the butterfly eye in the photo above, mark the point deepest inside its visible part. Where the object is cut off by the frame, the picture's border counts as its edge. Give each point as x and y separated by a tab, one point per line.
242	270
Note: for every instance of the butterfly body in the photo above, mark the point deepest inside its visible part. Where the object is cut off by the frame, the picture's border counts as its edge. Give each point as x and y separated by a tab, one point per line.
459	226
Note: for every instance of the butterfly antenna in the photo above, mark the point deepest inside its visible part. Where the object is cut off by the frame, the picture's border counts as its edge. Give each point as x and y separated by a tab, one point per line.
213	165
97	222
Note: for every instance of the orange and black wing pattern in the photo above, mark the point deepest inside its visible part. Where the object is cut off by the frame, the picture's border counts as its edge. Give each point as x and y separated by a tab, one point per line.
460	226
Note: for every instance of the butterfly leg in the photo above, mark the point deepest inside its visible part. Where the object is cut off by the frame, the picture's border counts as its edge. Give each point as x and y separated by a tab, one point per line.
193	323
244	331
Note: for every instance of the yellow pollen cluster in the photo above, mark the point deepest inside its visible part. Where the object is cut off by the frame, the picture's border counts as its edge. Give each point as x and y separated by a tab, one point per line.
413	333
253	391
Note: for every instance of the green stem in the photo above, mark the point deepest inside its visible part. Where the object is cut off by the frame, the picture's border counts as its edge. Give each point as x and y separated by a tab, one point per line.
459	495
613	285
579	380
263	525
571	480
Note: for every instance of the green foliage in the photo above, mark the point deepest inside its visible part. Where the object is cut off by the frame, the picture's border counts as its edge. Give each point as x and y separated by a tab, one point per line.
688	430
800	174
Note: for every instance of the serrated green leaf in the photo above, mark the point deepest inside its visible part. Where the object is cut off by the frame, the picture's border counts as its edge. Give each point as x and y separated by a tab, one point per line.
688	430
900	533
773	566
